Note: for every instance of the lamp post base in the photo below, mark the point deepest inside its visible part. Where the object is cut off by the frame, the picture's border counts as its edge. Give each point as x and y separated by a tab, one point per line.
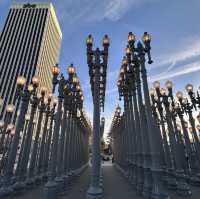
194	181
94	193
5	191
60	184
38	179
172	183
158	191
30	182
183	189
19	187
50	190
147	186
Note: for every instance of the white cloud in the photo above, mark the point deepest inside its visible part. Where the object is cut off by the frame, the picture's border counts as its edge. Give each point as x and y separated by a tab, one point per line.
116	9
188	68
189	48
93	11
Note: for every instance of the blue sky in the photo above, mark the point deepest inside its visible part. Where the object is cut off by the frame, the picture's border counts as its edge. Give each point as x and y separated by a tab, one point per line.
173	24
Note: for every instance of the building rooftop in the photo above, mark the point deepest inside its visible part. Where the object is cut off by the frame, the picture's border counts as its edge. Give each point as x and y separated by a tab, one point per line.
40	5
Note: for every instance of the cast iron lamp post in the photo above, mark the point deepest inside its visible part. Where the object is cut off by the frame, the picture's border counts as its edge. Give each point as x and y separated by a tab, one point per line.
32	167
23	94
153	131
49	138
97	62
22	172
189	109
45	107
193	166
9	111
51	185
6	145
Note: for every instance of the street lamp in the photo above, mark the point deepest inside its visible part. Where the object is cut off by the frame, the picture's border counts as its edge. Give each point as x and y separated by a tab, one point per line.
22	172
24	95
32	167
51	185
97	62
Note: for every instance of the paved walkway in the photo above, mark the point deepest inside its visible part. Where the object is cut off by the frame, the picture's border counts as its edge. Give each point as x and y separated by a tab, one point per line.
34	193
115	187
78	188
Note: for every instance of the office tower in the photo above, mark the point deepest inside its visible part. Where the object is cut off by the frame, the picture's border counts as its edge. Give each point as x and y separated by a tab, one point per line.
29	45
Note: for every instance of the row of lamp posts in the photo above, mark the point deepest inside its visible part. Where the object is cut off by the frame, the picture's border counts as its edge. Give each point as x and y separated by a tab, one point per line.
153	145
48	141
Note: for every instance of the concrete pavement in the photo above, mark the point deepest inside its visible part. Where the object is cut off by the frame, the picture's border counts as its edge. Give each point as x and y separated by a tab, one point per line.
115	187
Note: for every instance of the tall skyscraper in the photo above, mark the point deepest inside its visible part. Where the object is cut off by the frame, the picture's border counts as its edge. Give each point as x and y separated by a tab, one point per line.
29	45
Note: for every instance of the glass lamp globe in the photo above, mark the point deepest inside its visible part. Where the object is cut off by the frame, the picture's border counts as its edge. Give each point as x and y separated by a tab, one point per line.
75	79
156	84
189	88
179	95
50	96
30	88
118	83
21	80
131	37
118	109
39	95
78	88
27	117
55	70
45	100
146	37
162	91
106	40
10	108
43	90
12	132
89	40
169	84
10	127
71	69
128	51
35	80
151	91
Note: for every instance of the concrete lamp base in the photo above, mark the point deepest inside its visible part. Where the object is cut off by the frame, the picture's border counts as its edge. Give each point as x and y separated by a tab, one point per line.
6	191
50	190
60	184
94	193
